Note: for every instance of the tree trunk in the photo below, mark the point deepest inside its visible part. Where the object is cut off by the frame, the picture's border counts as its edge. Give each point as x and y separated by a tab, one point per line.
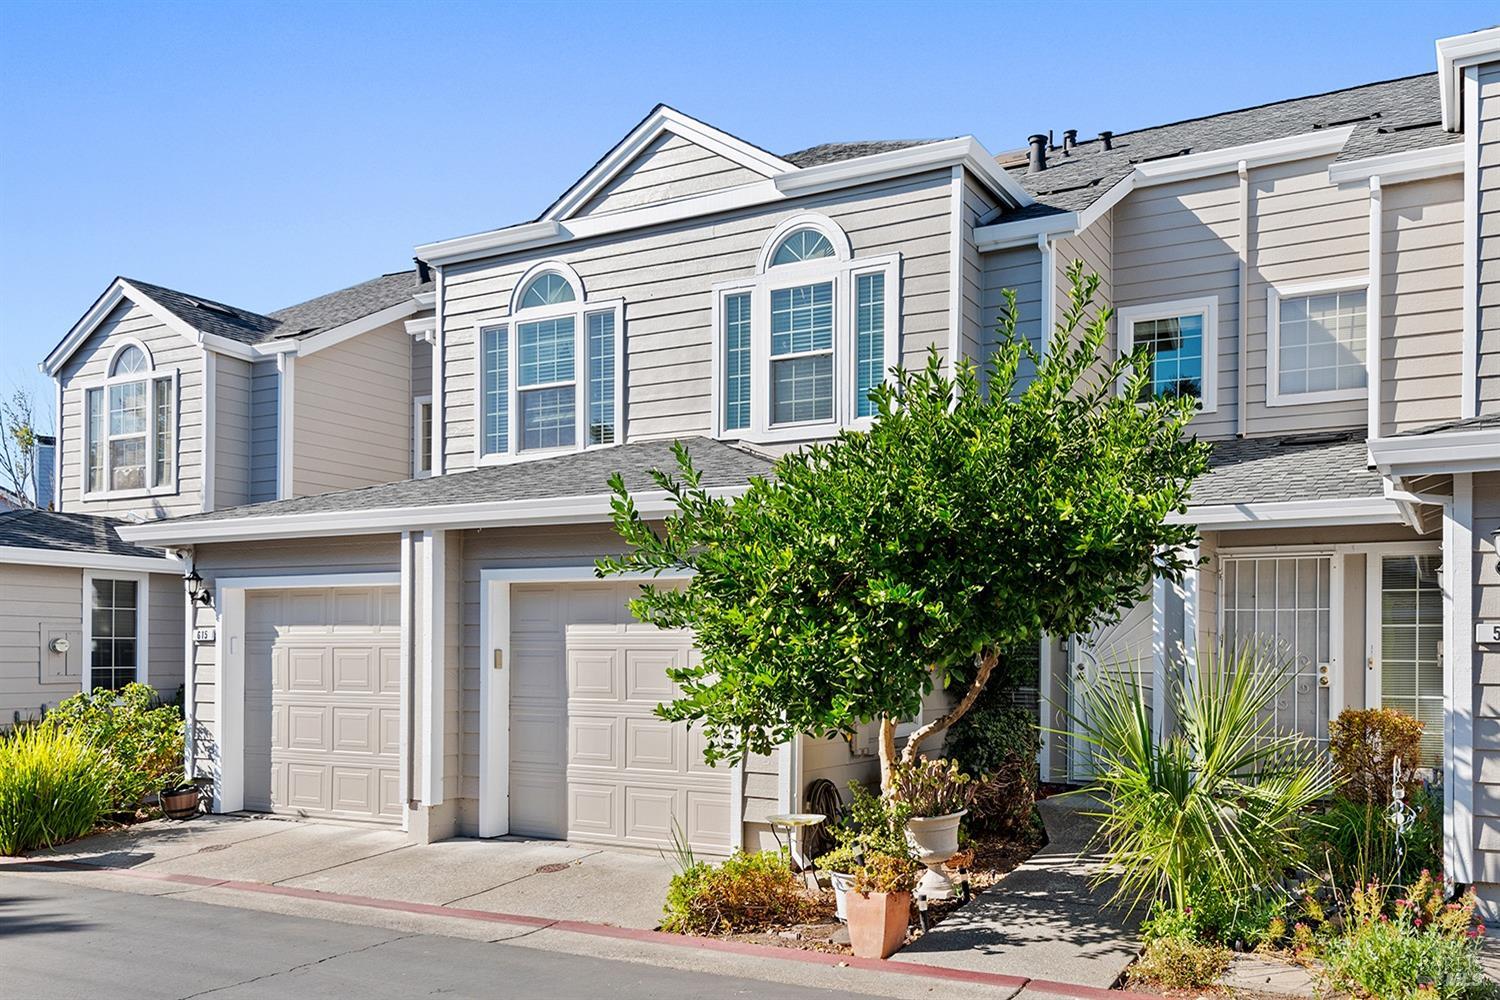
887	753
986	662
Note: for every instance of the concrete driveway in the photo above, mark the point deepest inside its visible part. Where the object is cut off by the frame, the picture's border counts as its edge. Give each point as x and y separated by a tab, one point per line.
542	878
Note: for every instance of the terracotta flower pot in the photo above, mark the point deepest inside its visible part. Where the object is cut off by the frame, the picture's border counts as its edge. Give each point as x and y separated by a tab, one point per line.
877	922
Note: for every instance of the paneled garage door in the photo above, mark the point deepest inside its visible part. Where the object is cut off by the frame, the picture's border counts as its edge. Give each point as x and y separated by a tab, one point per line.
322	703
589	759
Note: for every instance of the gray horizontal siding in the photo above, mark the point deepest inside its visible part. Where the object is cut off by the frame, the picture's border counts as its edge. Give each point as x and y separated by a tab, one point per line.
265	403
233	429
31	596
670	167
1020	270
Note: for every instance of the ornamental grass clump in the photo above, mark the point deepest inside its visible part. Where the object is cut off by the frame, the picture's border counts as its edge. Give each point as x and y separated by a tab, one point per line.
1214	808
53	786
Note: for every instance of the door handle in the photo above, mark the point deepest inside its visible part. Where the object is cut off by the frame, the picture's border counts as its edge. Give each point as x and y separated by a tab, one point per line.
499	658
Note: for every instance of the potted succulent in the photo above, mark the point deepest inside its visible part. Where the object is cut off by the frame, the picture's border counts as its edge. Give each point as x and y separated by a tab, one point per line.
840	863
181	800
879	905
936	796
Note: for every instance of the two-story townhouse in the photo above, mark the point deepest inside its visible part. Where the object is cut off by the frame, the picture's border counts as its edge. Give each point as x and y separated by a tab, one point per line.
1315	271
171	404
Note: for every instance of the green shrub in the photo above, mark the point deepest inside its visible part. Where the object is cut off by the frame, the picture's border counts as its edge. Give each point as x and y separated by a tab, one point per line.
1180	963
1353	843
53	787
139	739
842	859
886	873
747	892
1364	743
1215	808
931	787
999	744
873	825
1426	950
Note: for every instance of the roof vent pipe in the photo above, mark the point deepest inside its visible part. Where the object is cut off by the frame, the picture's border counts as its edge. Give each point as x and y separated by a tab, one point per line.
1070	139
1038	160
1108	138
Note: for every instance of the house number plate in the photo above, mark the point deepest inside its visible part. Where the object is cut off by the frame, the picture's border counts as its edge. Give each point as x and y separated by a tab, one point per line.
1487	632
208	634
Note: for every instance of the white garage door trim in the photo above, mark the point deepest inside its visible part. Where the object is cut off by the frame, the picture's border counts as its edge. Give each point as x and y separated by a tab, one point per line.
229	722
494	698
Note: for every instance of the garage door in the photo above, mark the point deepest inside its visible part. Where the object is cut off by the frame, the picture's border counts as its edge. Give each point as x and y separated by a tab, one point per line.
322	703
589	760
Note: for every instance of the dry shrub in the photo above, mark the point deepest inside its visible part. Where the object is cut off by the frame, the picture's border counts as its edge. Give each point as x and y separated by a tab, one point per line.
748	892
1364	743
1180	963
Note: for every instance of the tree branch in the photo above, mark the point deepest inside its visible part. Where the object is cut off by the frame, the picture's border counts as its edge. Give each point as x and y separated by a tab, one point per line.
987	662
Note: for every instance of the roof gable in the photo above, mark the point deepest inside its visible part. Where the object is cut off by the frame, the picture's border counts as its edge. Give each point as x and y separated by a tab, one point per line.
645	145
119	290
669	167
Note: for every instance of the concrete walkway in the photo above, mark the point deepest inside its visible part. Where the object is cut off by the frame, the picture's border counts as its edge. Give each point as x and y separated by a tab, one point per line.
542	878
1042	920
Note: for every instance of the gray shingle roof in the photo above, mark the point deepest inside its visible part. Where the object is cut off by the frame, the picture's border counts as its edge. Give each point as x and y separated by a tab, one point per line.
1306	467
834	152
321	313
1390	116
1468	424
584	473
68	532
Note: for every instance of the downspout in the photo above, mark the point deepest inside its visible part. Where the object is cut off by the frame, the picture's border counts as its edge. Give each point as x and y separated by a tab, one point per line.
1242	335
57	431
1374	313
1049	293
439	407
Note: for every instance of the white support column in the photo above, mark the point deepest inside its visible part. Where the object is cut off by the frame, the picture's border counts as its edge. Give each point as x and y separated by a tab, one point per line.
439	397
1046	658
1458	681
229	715
433	609
285	393
1160	656
1469	389
408	674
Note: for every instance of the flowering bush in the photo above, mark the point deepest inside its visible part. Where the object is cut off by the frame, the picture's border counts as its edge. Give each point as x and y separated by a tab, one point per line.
1425	949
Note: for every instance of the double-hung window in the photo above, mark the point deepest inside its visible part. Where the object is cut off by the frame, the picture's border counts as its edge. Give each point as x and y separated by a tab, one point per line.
1316	349
117	630
1179	340
130	426
549	373
799	347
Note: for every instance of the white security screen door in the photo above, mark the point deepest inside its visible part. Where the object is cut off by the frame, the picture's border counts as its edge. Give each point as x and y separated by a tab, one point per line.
1285	603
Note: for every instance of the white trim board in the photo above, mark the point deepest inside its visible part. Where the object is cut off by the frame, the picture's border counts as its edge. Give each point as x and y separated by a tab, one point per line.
498	514
1208	308
1399	168
18	555
1290	513
1456	53
1274	296
1476	450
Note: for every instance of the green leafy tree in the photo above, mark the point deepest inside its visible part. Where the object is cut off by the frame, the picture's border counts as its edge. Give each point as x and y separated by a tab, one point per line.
969	517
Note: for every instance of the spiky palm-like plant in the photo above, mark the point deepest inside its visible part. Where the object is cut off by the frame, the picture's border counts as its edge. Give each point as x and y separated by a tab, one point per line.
1215	806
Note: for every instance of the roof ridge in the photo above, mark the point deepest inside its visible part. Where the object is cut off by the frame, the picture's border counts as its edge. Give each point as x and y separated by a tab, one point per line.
379	277
1269	104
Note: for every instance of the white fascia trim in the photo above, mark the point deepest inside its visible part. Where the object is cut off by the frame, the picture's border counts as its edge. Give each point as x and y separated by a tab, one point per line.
810	180
663	120
1398	168
1290	514
1468	405
582	509
1454	54
339	334
1435	454
425	300
1177	168
423	328
118	290
11	554
286	390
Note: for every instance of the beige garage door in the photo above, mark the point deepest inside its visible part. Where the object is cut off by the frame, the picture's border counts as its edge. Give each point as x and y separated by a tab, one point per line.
323	703
589	759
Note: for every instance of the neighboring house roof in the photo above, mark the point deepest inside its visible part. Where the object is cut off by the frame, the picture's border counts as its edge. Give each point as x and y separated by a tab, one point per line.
1390	116
52	531
1484	422
834	152
584	473
1330	466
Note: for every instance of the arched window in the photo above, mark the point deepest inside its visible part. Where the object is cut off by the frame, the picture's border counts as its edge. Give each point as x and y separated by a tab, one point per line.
130	425
801	346
800	245
550	380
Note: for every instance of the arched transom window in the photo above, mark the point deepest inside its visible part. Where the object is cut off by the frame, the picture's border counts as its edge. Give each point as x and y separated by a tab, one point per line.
550	377
130	425
801	346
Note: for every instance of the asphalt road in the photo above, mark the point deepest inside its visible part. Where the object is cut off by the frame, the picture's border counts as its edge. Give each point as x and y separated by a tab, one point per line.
61	942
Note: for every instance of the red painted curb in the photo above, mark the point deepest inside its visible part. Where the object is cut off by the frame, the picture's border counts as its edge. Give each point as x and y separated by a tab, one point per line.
605	930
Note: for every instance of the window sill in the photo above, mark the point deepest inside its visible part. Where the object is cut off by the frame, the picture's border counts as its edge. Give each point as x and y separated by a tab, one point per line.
534	455
1313	398
142	494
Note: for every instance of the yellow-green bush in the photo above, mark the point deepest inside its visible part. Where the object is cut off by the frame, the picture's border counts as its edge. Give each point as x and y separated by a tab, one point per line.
747	892
53	786
1180	963
1364	743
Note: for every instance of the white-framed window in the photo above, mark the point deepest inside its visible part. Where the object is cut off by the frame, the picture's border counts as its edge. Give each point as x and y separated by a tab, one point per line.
421	437
1404	625
1181	338
799	347
549	370
1315	346
116	623
130	426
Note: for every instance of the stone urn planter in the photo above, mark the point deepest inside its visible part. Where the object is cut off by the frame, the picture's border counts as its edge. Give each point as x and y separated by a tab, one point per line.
935	840
877	922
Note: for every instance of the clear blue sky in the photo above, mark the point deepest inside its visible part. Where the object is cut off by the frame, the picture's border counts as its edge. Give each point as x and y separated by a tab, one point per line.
264	153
